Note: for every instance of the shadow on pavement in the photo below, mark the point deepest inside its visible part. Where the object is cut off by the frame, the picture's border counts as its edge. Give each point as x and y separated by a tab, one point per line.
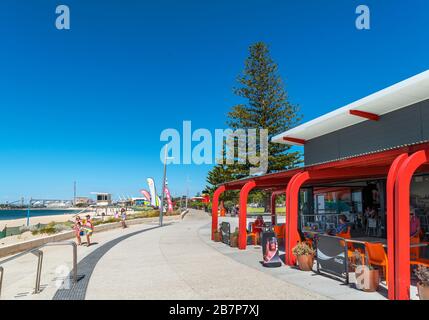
86	266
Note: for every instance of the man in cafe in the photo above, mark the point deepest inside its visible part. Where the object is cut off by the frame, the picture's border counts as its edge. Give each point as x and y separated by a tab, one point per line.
341	228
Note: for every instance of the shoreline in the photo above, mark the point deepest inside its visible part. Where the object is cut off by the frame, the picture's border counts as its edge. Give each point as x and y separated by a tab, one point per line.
41	209
37	219
59	217
45	219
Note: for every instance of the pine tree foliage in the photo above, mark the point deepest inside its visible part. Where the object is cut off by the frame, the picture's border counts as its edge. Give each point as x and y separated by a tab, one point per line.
265	106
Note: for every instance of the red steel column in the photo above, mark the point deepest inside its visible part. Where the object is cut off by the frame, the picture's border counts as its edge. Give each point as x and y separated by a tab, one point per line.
390	194
274	195
292	215
242	218
287	214
215	205
273	208
402	221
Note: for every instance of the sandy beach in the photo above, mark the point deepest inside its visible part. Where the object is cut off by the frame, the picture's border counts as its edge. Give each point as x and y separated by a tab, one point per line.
28	235
35	220
44	220
49	218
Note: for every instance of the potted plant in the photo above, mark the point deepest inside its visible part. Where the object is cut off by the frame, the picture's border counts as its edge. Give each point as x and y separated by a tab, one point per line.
422	273
305	256
234	238
367	277
216	236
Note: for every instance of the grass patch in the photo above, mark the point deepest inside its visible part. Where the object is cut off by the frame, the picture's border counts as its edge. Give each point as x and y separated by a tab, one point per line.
261	210
50	228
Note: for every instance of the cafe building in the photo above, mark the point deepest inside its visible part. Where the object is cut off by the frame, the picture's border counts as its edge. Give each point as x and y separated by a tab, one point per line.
369	161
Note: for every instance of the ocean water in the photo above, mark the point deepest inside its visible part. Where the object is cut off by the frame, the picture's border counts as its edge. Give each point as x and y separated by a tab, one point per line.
19	214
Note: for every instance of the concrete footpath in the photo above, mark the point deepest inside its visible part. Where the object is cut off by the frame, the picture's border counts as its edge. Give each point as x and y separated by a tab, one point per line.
173	263
177	261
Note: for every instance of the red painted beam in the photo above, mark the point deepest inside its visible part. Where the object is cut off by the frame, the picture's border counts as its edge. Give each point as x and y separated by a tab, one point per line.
402	219
215	205
242	218
366	115
294	140
390	192
292	199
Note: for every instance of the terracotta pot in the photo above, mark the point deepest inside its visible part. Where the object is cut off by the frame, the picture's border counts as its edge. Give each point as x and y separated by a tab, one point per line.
305	262
234	241
423	291
374	280
217	236
367	280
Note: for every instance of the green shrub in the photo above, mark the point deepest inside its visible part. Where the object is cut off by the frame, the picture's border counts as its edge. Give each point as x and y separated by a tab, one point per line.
111	220
48	230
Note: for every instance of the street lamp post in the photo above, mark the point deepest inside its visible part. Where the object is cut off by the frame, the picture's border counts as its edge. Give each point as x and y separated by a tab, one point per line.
161	207
28	213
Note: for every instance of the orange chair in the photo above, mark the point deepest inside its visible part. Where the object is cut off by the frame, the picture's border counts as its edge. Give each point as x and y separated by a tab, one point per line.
254	236
279	231
377	256
345	235
415	253
423	262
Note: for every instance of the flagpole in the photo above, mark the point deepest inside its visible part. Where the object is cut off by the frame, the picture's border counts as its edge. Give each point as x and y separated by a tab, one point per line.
161	206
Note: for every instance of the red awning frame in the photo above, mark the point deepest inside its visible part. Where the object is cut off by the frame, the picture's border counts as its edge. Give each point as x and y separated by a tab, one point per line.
396	165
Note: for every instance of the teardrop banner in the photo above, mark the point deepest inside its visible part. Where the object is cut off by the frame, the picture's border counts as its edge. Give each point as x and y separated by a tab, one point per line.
169	202
153	197
145	194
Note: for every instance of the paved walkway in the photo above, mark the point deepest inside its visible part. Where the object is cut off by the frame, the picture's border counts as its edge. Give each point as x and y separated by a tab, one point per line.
177	261
173	263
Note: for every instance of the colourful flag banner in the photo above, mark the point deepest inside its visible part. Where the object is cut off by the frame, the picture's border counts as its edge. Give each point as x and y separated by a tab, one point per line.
169	202
153	197
145	194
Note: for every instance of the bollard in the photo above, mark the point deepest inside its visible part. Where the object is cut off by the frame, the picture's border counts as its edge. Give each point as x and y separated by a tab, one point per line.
39	254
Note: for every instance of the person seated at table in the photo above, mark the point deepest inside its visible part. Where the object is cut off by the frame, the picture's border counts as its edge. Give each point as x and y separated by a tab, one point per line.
341	228
258	224
414	223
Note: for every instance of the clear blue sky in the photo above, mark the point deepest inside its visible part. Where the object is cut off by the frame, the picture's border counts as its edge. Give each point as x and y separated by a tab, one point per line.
89	104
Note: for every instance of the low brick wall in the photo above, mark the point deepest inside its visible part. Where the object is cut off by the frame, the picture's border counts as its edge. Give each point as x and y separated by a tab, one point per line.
34	243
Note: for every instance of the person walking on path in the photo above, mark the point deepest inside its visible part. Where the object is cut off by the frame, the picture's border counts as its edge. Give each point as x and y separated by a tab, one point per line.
77	227
123	217
89	228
